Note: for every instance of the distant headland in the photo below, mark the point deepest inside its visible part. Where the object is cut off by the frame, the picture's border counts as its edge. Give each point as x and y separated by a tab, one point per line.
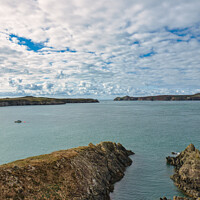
30	100
194	97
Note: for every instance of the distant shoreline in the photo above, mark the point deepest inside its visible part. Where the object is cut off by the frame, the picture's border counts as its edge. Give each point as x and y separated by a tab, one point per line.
30	100
194	97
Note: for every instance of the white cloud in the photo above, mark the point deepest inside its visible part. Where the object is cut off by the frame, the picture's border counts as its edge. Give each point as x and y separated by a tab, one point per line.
99	48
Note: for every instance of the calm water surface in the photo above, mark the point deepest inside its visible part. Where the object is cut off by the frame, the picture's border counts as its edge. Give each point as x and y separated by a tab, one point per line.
151	129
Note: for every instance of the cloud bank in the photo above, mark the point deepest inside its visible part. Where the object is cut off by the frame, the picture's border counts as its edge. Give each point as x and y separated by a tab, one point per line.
100	48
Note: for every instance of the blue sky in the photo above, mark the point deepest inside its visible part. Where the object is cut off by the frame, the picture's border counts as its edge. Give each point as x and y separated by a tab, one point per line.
99	49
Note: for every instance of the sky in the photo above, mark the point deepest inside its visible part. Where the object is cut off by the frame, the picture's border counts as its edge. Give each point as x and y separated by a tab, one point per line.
101	49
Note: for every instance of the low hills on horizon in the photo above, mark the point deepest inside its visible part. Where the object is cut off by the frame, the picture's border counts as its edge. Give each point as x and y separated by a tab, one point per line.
30	100
194	97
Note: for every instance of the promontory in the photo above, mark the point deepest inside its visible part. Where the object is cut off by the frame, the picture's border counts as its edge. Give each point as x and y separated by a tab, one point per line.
30	100
187	171
76	174
194	97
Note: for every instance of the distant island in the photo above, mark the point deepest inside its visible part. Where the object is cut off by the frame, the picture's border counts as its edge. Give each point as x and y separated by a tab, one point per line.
194	97
30	100
88	172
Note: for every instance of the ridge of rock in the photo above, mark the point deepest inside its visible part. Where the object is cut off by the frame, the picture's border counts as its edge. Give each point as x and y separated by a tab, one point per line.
80	173
187	171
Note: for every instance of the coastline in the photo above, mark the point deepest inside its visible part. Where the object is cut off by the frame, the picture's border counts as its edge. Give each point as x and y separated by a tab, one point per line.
45	129
194	97
187	171
80	173
30	100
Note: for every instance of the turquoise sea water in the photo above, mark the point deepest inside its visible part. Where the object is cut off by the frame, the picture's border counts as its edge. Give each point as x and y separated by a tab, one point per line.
151	129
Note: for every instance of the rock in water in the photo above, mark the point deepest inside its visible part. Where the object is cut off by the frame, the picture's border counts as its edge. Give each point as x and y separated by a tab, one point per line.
18	121
75	174
164	198
187	171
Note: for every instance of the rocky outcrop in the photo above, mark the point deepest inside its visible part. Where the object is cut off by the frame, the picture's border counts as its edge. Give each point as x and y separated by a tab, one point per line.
187	171
195	97
180	198
18	121
29	100
79	173
175	198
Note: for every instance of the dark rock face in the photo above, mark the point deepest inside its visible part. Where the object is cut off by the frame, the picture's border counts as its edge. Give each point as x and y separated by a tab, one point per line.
187	171
195	97
76	174
29	100
18	121
164	198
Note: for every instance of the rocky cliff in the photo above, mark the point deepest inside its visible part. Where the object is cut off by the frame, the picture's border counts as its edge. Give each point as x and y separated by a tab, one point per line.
75	174
187	171
195	97
29	100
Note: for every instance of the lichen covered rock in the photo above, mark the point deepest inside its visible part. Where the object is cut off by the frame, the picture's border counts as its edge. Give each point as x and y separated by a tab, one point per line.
187	171
79	173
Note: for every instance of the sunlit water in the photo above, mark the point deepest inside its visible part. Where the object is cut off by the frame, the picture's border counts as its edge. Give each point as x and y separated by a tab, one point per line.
151	129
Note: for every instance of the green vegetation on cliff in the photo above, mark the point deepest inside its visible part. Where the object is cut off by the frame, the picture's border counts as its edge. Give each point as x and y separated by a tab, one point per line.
29	100
76	174
194	97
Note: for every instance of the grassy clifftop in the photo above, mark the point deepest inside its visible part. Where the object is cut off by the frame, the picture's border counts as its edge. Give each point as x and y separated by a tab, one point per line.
30	100
80	173
194	97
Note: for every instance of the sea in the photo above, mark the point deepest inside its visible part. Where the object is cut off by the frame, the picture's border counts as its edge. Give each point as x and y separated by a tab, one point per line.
151	129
